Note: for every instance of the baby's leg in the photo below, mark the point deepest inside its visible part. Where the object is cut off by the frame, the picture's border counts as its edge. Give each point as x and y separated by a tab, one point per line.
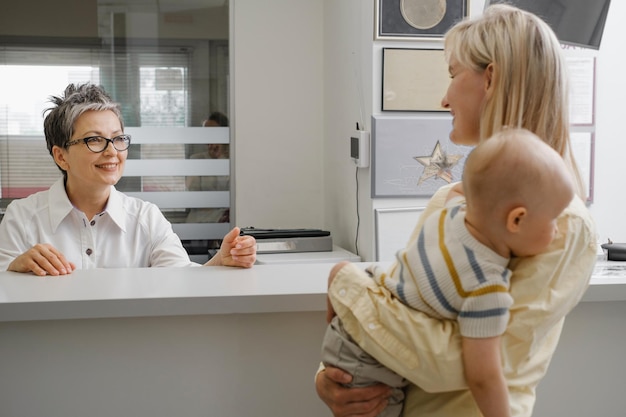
340	351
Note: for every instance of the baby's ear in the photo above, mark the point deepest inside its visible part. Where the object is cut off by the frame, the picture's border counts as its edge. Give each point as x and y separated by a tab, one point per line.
515	218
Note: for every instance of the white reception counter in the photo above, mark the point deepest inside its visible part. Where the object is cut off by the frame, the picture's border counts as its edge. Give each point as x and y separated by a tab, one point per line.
231	342
145	292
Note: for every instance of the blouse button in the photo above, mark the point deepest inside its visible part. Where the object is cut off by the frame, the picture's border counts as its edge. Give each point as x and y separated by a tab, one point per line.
93	222
88	252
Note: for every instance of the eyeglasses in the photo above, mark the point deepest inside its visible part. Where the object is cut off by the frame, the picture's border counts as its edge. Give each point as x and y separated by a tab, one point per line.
98	144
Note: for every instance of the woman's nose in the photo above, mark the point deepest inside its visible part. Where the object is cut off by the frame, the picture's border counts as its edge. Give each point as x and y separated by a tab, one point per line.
444	101
110	148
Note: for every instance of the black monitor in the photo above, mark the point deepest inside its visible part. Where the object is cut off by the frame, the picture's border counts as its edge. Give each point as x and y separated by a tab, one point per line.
575	22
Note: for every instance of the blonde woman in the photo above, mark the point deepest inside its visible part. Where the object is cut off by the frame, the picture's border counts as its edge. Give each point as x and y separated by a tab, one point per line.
506	69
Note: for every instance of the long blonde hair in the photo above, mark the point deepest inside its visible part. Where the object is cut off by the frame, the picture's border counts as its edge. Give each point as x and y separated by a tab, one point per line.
529	77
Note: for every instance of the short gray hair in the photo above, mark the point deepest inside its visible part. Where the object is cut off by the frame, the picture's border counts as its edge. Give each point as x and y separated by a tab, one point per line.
77	99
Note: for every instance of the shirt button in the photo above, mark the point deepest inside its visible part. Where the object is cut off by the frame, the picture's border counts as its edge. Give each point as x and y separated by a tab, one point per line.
93	222
88	252
342	292
371	326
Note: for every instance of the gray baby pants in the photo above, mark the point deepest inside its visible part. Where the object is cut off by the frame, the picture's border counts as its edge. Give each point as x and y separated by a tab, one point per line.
340	351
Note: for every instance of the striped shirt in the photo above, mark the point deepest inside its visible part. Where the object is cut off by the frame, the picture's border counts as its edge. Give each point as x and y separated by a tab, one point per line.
448	274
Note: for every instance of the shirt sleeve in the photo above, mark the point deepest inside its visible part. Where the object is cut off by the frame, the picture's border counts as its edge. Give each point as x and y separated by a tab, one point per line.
12	236
167	249
427	351
485	314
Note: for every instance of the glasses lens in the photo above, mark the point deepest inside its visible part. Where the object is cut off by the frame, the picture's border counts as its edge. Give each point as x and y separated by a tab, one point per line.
96	143
122	142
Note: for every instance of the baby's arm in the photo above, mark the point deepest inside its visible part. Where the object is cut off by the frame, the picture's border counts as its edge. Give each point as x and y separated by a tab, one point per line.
483	372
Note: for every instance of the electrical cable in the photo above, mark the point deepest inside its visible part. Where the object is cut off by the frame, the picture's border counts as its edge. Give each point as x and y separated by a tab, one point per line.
358	217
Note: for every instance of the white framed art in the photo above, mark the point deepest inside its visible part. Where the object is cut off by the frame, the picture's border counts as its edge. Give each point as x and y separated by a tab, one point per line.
583	149
394	227
413	156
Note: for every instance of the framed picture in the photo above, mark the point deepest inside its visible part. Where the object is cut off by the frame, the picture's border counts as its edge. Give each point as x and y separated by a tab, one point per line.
394	227
413	156
417	19
582	73
583	149
414	79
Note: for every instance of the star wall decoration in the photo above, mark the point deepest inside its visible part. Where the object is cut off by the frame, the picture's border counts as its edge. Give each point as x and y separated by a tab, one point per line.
438	164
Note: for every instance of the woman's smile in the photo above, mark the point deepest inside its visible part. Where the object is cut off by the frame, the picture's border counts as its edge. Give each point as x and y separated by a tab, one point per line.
109	166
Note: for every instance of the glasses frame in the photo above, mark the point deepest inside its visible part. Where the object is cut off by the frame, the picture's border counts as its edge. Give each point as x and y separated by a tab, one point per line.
112	141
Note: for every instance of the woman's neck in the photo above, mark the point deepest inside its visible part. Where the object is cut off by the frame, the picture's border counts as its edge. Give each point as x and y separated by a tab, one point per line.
89	201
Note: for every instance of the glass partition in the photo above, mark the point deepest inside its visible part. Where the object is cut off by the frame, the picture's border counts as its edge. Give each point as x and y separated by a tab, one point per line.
165	62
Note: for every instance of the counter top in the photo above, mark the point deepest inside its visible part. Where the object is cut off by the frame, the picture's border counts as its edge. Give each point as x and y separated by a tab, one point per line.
140	292
137	292
608	282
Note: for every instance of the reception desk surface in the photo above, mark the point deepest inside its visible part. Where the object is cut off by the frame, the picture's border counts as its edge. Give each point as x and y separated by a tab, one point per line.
145	292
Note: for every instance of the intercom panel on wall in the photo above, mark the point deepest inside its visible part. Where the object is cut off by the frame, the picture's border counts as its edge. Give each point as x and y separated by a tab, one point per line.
360	148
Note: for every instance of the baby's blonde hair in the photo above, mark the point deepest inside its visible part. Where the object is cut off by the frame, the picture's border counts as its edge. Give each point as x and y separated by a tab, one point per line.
514	168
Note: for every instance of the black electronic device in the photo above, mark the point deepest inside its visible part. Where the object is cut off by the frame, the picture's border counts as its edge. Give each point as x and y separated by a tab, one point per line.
615	251
290	240
575	22
282	233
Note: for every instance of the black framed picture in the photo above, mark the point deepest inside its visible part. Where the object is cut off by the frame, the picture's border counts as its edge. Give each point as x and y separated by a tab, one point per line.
417	19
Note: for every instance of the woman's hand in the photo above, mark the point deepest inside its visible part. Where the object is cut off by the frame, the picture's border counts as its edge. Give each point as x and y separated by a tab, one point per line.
42	259
235	251
345	402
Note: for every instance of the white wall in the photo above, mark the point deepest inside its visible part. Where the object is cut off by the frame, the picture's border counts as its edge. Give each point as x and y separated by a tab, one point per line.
348	96
610	197
278	119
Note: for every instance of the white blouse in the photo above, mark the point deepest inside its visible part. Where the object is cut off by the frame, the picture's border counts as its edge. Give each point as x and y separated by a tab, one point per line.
129	233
